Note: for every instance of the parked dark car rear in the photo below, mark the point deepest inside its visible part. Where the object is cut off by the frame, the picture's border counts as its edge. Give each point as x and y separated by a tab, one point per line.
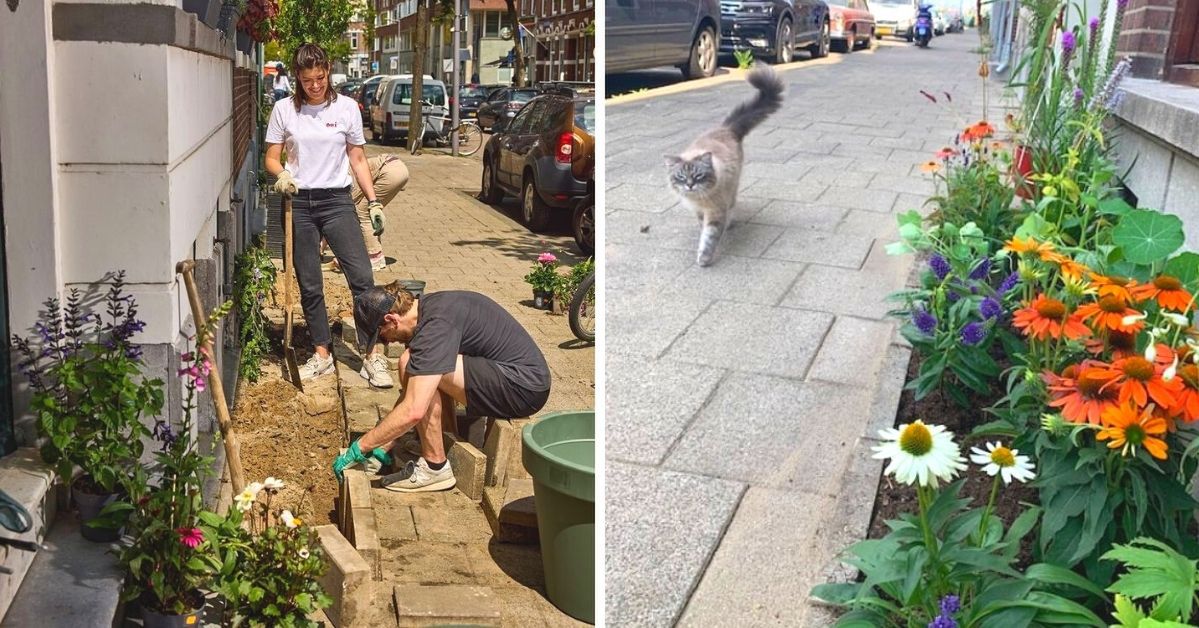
774	29
367	95
504	104
469	99
641	34
545	155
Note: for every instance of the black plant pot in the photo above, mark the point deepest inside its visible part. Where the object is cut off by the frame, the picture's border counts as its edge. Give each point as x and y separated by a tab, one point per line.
154	619
90	506
207	11
543	299
245	43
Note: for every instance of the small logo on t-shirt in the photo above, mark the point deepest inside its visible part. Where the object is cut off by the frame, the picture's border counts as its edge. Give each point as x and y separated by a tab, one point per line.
330	125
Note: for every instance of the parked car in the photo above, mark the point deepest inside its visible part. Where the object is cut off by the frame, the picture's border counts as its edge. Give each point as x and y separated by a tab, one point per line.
956	24
504	104
940	24
894	17
367	97
469	99
389	117
347	87
851	25
774	28
545	155
641	34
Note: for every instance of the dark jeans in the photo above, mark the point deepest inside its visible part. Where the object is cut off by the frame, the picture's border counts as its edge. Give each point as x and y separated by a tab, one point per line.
328	213
280	94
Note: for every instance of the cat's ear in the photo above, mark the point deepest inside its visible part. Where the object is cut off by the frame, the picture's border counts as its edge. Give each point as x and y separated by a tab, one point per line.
705	159
672	160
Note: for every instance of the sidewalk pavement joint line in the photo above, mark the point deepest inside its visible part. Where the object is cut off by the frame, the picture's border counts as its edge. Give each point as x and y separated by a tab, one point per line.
694	416
873	242
688	327
783	293
827	330
776	238
699	576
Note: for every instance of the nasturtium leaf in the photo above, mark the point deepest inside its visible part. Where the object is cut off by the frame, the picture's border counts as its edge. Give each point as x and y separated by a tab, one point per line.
1148	236
1185	267
1115	206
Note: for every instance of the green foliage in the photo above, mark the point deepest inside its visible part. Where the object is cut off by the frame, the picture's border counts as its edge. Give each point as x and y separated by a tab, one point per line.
1148	236
1155	571
745	59
977	192
89	394
564	291
321	22
254	278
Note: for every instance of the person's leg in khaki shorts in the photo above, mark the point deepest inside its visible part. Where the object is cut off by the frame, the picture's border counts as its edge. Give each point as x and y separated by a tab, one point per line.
390	178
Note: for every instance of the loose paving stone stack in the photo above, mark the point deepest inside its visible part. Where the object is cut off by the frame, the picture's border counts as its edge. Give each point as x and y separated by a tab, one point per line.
511	512
347	581
356	519
419	606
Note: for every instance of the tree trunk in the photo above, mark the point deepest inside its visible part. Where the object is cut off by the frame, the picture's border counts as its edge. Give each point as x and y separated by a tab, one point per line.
518	64
416	126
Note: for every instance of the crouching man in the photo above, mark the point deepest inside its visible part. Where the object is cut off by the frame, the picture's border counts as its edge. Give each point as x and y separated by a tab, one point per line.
462	347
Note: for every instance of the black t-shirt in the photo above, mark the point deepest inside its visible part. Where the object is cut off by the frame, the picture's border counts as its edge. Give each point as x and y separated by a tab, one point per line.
458	322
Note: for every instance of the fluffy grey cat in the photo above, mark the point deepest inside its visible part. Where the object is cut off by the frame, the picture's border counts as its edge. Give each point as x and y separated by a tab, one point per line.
707	173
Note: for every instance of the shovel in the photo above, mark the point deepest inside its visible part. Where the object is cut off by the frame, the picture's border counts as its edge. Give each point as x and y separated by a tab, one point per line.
290	366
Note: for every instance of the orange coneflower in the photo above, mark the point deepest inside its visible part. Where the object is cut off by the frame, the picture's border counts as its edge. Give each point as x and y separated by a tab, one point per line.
1113	285
1186	402
1070	269
978	131
1029	245
1046	317
1083	399
1122	344
946	153
1167	291
1141	380
1109	312
1129	427
929	167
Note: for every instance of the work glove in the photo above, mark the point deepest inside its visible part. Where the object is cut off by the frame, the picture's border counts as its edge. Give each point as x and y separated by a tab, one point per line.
354	456
377	220
285	184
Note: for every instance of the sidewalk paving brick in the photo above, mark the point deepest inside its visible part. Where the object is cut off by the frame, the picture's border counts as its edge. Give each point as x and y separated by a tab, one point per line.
649	322
769	340
852	352
818	216
745	279
820	247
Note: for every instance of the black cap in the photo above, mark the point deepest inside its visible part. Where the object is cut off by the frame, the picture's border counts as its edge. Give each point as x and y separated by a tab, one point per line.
369	309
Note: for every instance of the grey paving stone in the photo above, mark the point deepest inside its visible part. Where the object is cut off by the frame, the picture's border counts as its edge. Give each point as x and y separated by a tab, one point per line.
869	224
866	152
820	247
908	156
661	529
747	207
789	171
906	202
845	291
921	186
779	153
835	176
879	201
649	321
766	564
891	378
769	340
674	231
815	161
641	197
786	190
649	403
801	215
635	267
744	279
882	166
770	431
853	352
894	142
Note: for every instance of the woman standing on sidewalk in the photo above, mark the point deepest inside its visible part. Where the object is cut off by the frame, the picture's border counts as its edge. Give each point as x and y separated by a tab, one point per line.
323	137
280	85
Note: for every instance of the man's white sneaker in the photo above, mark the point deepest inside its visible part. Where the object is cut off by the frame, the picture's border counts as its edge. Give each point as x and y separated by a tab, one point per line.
417	477
374	371
316	366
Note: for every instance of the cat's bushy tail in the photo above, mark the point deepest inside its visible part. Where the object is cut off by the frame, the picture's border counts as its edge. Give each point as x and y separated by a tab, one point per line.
751	113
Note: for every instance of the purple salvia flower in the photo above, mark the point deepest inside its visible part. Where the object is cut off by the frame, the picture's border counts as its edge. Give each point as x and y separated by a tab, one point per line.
1009	283
1109	96
950	604
939	266
1078	97
953	296
925	322
972	334
981	270
990	308
1121	4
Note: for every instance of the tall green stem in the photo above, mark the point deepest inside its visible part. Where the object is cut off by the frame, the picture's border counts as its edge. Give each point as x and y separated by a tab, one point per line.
982	525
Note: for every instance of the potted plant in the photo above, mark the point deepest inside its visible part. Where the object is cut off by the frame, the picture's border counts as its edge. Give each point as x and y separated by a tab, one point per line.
564	290
173	554
273	581
258	20
543	278
89	396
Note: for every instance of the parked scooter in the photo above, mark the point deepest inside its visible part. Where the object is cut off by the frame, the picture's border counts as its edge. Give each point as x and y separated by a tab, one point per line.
924	25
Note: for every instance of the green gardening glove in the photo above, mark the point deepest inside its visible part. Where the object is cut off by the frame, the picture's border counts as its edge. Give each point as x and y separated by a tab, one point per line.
354	456
376	211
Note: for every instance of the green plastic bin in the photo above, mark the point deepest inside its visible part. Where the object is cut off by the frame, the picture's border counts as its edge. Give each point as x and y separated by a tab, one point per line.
559	452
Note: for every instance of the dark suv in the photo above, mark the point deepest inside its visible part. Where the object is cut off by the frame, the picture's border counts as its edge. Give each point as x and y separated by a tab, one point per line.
546	155
641	34
774	28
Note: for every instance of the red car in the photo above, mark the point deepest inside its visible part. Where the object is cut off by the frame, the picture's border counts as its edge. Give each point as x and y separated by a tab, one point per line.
851	25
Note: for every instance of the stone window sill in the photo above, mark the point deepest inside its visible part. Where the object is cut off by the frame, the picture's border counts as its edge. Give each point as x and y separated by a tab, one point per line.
1165	110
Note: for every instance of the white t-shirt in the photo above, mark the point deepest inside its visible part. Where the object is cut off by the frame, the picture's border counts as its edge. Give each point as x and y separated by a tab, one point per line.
316	140
282	82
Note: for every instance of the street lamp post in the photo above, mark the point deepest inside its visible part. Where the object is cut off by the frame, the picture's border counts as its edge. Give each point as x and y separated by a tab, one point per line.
457	93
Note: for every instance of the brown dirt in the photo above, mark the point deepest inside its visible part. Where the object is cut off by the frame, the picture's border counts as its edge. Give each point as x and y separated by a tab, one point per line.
894	498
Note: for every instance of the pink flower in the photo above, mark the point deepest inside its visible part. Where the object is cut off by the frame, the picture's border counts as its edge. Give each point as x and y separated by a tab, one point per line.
191	537
547	258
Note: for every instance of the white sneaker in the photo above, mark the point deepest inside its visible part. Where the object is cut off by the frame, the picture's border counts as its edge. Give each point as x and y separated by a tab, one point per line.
316	366
374	371
417	477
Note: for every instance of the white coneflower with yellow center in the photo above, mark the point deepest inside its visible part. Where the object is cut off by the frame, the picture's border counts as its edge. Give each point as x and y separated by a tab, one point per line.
920	454
1008	463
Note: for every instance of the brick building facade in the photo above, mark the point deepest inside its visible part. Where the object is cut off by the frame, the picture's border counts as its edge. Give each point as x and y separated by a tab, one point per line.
560	44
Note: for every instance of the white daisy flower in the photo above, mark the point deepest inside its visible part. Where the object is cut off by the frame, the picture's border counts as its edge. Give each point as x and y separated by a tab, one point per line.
1006	462
920	453
303	552
288	519
245	499
272	484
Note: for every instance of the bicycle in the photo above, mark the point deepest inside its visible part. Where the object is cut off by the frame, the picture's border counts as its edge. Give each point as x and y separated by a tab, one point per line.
470	136
582	310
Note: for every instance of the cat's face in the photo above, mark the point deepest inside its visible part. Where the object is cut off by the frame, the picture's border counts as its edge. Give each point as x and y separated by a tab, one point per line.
691	176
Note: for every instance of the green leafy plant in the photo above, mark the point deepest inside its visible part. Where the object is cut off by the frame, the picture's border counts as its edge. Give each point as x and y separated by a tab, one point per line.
271	562
173	553
544	275
564	290
254	278
89	394
1154	571
745	59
